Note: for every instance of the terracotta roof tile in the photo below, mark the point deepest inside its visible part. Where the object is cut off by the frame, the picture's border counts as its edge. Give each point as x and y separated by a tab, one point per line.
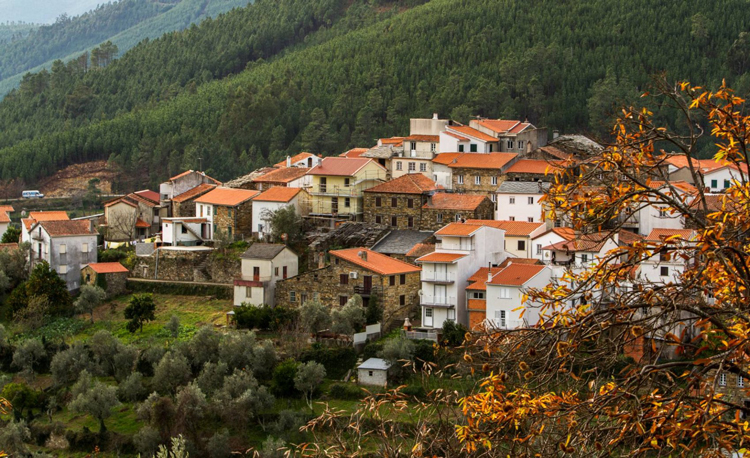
472	132
516	274
141	224
284	175
108	267
629	238
585	242
340	166
228	197
4	217
566	233
683	186
6	209
441	257
123	200
278	194
188	172
294	159
451	201
393	141
475	160
658	235
504	126
423	138
456	136
420	249
148	194
49	216
511	228
65	228
413	183
354	152
445	158
459	229
376	262
539	167
193	193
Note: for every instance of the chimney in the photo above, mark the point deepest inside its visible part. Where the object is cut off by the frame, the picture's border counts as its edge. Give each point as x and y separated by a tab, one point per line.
362	255
407	324
555	134
434	116
288	161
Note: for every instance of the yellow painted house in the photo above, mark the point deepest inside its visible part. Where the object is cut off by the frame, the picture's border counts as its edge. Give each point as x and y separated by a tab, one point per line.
338	184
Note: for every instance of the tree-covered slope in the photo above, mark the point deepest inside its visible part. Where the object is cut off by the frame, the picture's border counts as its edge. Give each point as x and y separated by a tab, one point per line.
125	23
323	75
12	31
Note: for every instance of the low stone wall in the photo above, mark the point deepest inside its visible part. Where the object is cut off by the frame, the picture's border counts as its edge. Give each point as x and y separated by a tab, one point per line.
184	265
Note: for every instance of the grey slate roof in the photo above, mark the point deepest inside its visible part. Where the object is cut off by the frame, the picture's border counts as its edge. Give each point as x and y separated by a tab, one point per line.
400	241
375	364
263	251
382	152
522	187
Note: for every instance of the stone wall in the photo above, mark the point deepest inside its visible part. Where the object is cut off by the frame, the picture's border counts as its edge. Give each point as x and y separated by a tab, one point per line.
114	284
239	219
184	209
325	285
346	235
197	266
530	177
469	187
384	213
485	210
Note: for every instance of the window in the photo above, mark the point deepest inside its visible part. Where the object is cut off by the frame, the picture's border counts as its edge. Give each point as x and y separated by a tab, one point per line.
458	217
460	148
63	248
342	300
413	145
477	180
664	255
402	279
500	318
378	201
62	270
283	272
260	228
346	182
511	218
84	248
439	217
316	296
412	166
392	280
451	314
216	210
521	245
740	381
229	212
473	148
422	167
520	144
433	147
714	184
494	180
726	184
460	179
410	221
722	379
664	271
369	373
394	221
398	165
229	232
662	213
477	295
410	203
584	258
492	149
394	202
347	202
183	229
402	300
248	291
538	248
302	298
512	200
428	313
510	144
276	271
530	219
343	279
504	293
531	201
378	220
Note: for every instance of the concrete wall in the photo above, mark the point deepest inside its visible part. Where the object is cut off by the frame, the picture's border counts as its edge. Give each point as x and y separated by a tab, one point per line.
513	305
400	166
521	209
378	377
75	255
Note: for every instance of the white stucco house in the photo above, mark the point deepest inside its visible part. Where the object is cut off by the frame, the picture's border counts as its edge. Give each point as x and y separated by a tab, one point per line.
520	201
462	249
550	237
373	372
182	231
262	265
506	308
518	235
272	199
182	183
35	217
66	246
667	266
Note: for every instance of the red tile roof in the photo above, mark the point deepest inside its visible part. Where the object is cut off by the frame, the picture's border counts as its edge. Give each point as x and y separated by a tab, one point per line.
536	166
278	194
193	193
413	183
420	249
585	242
123	200
148	194
445	158
566	233
628	238
188	172
141	224
451	201
503	126
395	141
6	208
227	197
441	257
478	281
683	186
108	267
459	229
423	138
49	216
284	175
511	228
472	132
341	166
475	160
297	158
65	228
555	152
659	235
375	262
516	274
456	136
354	152
4	217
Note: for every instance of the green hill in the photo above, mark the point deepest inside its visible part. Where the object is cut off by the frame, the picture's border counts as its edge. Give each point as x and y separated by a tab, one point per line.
125	23
323	75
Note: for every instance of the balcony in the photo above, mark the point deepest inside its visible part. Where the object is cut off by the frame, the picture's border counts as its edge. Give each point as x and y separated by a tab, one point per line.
368	290
499	324
443	247
36	236
438	301
335	191
438	277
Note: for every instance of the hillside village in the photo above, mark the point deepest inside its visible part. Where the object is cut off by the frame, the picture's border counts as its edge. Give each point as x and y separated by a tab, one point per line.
446	223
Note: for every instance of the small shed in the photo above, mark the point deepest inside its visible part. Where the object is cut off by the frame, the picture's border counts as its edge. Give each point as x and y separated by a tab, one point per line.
112	277
374	372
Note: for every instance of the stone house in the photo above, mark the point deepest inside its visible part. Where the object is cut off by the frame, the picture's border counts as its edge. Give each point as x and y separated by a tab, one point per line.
272	199
181	184
263	264
66	246
290	177
5	211
398	243
338	185
513	136
183	205
112	277
444	208
133	217
35	217
532	170
373	372
227	211
473	173
399	203
357	271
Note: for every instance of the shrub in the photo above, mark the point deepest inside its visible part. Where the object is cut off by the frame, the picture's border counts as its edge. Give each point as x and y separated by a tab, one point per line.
336	360
218	445
453	334
372	350
345	391
416	391
147	441
132	389
172	371
282	382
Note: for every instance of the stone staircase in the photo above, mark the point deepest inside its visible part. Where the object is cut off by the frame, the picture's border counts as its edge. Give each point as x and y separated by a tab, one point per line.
200	272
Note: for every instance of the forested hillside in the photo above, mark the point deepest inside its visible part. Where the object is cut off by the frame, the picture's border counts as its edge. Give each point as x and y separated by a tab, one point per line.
125	23
11	31
323	75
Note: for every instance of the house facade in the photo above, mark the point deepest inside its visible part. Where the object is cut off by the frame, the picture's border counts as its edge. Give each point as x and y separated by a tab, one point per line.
305	160
290	177
399	203
227	211
183	205
182	231
518	235
512	135
443	208
112	277
35	217
133	217
506	308
466	139
273	199
520	201
668	265
181	184
66	246
472	172
338	185
263	264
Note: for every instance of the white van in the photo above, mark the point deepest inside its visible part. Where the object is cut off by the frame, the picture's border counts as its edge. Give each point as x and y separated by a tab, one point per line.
32	195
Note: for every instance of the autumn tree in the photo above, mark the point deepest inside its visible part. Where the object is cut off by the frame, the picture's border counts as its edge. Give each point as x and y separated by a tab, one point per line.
621	364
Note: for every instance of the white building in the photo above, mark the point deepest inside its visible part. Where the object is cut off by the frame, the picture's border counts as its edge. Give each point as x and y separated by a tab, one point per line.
520	201
465	139
721	178
506	308
581	253
66	246
184	182
262	265
667	266
550	237
182	231
35	217
462	249
5	211
373	372
306	160
518	235
267	202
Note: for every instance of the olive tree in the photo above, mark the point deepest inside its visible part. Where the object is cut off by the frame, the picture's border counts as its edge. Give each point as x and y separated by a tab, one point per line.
98	401
309	377
349	318
172	371
315	316
68	364
27	355
89	299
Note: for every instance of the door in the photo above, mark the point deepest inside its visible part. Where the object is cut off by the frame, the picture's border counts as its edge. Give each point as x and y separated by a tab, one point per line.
323	184
283	270
441	272
368	283
428	317
440	294
256	273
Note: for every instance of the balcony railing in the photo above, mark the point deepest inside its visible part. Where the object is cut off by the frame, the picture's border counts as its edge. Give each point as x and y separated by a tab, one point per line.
438	277
421	335
443	247
505	324
367	290
438	301
327	190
